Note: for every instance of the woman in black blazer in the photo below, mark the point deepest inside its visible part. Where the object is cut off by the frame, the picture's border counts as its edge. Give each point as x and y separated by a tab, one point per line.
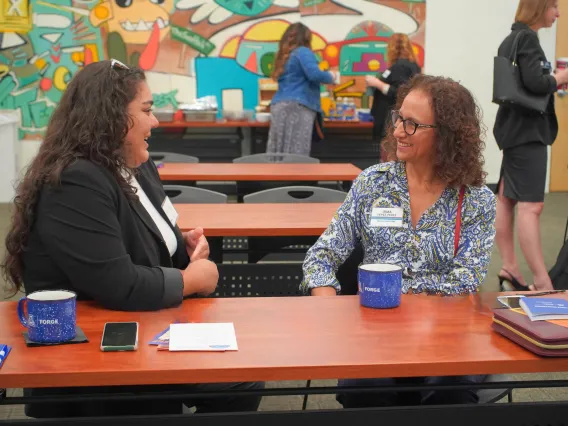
402	67
523	135
91	216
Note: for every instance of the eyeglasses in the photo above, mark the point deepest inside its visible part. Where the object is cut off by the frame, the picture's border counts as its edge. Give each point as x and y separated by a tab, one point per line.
115	63
409	126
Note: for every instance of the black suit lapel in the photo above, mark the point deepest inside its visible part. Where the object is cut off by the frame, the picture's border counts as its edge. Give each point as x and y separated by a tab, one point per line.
149	180
146	218
154	190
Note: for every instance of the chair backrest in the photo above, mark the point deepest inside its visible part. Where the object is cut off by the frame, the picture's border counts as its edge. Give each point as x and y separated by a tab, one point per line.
296	194
276	158
191	195
258	280
172	157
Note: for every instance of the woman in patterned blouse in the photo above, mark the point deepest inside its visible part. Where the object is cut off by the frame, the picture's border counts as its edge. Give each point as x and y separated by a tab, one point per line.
435	139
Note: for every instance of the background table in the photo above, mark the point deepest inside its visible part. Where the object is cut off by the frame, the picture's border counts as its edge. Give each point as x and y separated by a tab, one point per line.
257	220
258	172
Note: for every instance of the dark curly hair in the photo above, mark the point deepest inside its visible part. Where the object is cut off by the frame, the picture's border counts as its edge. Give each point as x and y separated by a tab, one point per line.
459	133
90	122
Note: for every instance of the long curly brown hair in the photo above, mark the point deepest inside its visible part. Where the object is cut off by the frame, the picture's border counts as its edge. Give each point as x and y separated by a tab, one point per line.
296	35
459	133
399	47
90	122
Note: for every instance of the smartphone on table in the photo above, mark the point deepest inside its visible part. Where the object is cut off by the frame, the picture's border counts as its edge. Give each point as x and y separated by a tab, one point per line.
512	301
120	336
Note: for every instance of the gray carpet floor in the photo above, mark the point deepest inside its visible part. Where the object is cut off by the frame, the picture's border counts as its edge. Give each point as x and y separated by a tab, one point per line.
553	223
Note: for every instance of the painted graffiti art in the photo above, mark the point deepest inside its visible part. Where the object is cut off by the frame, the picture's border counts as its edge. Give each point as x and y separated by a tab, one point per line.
189	48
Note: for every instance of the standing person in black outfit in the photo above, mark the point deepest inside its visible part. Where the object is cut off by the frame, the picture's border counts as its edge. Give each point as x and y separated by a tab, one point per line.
402	67
91	216
523	135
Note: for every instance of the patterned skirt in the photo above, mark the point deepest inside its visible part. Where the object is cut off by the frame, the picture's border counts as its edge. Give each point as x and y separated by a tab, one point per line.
290	129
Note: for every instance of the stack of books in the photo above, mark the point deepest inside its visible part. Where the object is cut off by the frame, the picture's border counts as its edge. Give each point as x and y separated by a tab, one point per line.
541	325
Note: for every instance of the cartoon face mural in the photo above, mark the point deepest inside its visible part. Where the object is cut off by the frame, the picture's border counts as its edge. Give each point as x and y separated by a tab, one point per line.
189	48
137	20
63	43
38	64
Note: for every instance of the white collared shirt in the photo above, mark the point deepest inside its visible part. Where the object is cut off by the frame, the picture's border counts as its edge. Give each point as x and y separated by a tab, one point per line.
164	228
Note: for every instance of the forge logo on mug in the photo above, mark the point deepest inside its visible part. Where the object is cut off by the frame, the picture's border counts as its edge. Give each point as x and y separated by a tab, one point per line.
51	315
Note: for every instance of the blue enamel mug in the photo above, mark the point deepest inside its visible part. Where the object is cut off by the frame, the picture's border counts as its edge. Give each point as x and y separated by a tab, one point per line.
380	285
51	315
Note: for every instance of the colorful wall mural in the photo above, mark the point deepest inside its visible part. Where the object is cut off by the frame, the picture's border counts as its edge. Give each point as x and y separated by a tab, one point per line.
189	48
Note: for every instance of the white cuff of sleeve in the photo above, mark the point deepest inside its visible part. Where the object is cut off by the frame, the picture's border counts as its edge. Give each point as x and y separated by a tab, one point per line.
385	89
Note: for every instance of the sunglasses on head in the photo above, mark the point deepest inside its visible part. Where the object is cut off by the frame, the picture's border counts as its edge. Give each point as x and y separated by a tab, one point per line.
116	64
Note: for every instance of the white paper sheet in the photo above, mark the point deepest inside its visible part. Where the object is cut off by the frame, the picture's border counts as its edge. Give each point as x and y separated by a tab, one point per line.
203	337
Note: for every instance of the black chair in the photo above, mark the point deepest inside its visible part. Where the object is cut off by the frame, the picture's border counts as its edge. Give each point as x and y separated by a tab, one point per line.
296	194
182	194
172	157
276	158
259	280
248	187
160	157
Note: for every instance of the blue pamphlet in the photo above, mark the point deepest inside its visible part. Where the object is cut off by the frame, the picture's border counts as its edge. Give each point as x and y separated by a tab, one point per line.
545	308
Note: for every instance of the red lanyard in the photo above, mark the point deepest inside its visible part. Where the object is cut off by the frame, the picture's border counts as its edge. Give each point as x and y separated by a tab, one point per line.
458	221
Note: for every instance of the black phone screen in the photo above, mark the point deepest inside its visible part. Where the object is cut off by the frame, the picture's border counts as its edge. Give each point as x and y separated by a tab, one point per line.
120	334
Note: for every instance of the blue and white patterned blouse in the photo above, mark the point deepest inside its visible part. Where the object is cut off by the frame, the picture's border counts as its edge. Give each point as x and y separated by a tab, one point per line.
427	251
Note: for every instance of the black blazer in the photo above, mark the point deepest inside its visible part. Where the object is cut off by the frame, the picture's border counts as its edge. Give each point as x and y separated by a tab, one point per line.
516	125
89	238
398	74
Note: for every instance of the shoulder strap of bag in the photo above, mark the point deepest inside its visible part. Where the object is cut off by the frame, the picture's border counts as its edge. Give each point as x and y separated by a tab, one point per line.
458	220
319	124
515	47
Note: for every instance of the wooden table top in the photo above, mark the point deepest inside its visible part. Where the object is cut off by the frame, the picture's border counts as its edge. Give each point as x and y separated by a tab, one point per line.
259	172
255	220
294	338
198	124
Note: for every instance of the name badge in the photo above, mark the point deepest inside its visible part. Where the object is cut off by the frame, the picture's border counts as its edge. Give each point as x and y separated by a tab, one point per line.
386	217
170	211
386	73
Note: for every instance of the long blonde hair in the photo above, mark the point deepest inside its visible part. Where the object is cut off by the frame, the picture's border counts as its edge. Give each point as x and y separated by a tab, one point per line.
531	12
399	47
296	35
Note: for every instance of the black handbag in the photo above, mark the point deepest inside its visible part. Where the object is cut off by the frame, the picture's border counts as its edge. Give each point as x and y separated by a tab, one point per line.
317	130
508	87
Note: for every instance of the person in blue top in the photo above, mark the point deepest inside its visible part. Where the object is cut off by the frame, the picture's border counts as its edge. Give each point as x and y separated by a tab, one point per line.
436	140
297	101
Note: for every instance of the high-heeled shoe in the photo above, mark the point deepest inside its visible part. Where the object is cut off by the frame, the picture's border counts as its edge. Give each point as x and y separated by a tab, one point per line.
517	286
